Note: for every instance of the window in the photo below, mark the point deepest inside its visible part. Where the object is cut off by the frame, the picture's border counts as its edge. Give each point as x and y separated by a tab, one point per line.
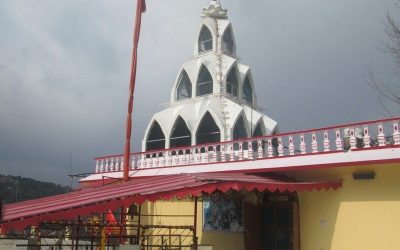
239	130
227	42
247	91
232	82
204	82
181	135
156	138
184	89
208	130
259	131
205	40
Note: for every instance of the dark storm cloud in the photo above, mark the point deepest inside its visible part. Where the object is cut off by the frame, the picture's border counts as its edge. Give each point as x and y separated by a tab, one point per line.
64	70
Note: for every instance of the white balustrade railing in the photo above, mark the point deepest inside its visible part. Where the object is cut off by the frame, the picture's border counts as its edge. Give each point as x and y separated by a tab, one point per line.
343	138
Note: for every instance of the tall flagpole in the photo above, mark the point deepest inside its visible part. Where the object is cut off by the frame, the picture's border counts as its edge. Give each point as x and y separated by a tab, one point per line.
140	8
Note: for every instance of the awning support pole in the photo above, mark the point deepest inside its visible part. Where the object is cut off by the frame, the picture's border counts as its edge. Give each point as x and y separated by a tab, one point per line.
195	224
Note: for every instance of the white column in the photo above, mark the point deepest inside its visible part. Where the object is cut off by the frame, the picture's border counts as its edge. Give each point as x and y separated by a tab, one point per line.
314	143
326	142
302	145
381	136
367	138
291	145
339	145
396	133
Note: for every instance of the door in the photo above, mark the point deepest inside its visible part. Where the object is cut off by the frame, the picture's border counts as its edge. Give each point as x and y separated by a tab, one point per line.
277	226
252	227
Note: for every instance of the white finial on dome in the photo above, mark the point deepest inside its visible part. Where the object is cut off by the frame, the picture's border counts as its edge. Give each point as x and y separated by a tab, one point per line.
215	10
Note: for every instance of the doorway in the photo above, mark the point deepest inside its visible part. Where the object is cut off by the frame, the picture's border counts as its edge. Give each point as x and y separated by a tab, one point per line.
273	224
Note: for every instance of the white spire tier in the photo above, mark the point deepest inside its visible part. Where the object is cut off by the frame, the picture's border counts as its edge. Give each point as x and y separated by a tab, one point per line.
213	97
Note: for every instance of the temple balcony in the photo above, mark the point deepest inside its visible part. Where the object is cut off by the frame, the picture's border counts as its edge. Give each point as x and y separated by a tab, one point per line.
343	145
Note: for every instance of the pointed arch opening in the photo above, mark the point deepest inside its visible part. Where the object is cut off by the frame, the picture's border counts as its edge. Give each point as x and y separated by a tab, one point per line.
205	40
259	130
232	82
156	138
228	44
239	131
184	89
180	136
247	91
208	131
204	83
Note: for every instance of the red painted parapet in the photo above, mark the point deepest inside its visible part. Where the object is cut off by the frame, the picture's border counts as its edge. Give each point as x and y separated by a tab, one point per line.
355	136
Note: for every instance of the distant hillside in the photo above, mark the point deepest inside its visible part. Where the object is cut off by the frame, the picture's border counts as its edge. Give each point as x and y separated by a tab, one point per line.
17	188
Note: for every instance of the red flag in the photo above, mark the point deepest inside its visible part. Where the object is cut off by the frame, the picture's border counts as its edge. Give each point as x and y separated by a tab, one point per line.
112	221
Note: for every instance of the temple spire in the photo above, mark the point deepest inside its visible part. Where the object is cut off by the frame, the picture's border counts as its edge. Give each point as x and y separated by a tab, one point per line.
215	10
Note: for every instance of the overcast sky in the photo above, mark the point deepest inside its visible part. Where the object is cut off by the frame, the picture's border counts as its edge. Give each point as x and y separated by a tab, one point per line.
64	70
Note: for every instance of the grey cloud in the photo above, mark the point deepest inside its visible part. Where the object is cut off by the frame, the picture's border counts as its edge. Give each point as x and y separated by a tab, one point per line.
64	70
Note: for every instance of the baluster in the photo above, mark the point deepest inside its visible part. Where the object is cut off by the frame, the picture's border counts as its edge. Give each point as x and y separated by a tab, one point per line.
183	156
381	135
232	153
280	146
111	164
353	140
134	161
155	160
160	158
214	156
326	142
149	161
314	143
367	138
260	150
339	144
198	155
122	164
116	165
205	155
143	160
291	145
191	156
106	166
250	149
270	151
396	133
240	153
102	166
302	145
223	156
97	166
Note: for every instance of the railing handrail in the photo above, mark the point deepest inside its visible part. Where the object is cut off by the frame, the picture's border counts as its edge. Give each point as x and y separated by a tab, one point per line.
255	138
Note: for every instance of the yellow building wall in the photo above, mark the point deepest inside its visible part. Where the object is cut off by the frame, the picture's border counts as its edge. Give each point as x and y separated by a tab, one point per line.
362	215
165	214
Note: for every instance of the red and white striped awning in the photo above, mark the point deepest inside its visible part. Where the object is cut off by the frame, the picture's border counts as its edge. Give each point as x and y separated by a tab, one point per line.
98	200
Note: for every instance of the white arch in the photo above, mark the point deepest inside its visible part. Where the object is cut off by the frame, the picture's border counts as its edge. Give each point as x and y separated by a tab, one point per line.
201	65
213	36
241	94
262	124
175	119
229	27
147	133
216	120
236	67
176	82
246	123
